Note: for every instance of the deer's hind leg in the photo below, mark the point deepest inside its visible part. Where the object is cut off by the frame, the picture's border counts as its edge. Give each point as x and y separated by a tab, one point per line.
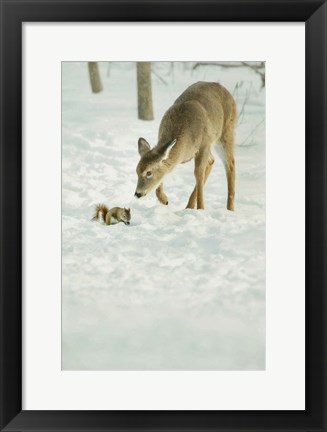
162	197
193	198
226	153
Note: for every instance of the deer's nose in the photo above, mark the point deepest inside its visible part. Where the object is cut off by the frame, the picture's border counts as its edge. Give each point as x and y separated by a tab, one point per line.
137	194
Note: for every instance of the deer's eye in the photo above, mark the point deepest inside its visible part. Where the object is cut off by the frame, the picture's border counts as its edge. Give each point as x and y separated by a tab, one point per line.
148	173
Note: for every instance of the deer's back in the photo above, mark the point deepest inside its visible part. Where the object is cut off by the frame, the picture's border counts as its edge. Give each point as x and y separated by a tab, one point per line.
203	108
214	98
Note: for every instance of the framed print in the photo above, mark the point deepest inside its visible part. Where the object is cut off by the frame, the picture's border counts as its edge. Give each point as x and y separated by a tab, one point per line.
163	215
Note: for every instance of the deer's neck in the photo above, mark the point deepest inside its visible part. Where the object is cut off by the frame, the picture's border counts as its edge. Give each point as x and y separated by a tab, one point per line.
173	159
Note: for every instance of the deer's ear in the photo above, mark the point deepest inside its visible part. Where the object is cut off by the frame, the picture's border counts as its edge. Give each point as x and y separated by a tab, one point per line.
167	147
144	146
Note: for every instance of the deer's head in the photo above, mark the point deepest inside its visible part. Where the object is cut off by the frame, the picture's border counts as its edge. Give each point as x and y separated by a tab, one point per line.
152	166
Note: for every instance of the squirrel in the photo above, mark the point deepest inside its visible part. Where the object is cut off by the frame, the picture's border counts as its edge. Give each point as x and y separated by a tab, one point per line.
118	213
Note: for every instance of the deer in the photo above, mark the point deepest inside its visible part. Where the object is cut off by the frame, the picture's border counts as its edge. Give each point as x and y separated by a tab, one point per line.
203	115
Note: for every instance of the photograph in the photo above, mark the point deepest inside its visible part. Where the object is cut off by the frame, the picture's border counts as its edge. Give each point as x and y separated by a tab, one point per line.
163	210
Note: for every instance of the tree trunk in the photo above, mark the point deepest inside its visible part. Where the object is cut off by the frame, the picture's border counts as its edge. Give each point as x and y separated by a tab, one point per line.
95	77
144	91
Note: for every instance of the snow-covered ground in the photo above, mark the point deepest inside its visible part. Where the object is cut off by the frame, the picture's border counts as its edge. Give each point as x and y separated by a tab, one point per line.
177	289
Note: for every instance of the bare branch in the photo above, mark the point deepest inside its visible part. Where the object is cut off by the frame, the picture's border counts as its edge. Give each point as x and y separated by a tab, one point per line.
159	77
252	132
258	65
256	70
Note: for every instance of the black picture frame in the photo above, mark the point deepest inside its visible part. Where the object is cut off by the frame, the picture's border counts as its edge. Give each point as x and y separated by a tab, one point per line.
13	14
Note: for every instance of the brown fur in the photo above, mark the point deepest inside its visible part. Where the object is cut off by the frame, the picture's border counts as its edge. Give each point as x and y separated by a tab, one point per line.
100	208
118	213
203	114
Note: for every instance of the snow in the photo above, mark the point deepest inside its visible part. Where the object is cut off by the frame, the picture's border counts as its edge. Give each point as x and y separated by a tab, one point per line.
177	289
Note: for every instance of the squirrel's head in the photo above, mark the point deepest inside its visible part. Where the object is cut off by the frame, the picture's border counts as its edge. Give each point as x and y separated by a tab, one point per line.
126	216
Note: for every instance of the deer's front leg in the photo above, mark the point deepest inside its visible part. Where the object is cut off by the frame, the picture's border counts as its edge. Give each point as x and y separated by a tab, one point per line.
201	162
162	197
192	200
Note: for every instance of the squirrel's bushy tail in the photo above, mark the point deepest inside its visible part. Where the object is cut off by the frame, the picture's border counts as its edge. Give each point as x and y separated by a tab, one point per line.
100	208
